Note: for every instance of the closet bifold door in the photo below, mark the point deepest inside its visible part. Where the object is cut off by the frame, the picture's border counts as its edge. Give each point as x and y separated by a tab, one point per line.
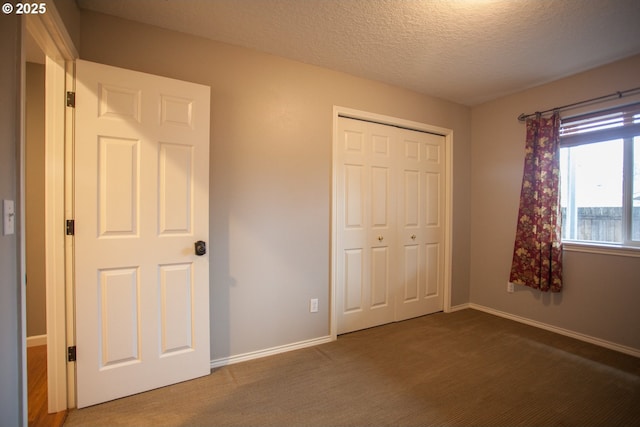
390	224
366	212
420	224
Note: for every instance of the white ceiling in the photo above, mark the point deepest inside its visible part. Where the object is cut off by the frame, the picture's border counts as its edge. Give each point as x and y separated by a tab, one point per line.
466	51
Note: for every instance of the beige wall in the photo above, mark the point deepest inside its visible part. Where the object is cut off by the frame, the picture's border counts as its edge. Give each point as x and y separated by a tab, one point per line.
601	291
34	200
271	139
70	15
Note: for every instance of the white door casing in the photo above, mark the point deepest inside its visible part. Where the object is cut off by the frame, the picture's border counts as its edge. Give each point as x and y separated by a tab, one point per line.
390	256
141	201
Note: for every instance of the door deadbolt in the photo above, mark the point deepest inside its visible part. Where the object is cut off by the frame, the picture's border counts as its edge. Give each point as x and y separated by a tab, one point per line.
201	248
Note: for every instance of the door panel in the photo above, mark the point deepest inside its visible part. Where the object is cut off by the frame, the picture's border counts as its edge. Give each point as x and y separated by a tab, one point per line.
411	271
432	190
366	224
175	189
176	316
379	277
141	201
432	270
118	186
118	310
411	198
354	197
422	231
380	197
353	280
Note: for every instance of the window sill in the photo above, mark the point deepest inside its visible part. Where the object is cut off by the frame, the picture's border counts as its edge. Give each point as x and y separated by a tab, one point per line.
601	248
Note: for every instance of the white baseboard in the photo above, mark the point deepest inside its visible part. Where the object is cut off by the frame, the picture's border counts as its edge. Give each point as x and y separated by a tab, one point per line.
458	307
216	363
582	337
224	361
36	340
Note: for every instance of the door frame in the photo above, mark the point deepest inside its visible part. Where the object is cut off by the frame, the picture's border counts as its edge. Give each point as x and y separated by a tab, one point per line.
50	33
338	112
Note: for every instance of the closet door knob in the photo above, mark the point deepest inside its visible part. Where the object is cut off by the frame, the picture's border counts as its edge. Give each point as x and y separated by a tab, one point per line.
380	238
413	237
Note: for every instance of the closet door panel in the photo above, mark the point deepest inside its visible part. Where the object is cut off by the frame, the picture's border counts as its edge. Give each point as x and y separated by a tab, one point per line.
420	231
366	225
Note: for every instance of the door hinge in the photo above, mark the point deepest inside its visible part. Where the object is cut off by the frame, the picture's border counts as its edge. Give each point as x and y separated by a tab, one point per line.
71	99
70	227
71	354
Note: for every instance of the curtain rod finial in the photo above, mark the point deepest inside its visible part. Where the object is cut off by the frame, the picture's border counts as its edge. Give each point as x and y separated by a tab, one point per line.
522	117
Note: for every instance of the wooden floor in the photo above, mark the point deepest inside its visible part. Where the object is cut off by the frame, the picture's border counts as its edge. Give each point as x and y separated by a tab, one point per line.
37	385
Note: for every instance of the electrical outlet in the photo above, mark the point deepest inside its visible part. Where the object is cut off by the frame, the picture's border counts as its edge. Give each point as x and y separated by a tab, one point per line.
510	287
313	305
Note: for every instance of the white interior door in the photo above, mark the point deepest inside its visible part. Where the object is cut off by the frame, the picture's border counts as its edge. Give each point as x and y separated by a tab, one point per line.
420	224
366	225
141	201
390	207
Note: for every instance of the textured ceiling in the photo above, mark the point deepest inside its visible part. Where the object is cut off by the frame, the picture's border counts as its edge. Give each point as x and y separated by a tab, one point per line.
466	51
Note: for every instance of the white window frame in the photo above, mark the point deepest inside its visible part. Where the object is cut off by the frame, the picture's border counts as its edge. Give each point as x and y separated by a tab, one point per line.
586	129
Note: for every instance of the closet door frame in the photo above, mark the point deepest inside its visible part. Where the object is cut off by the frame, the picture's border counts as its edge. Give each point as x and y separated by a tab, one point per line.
407	124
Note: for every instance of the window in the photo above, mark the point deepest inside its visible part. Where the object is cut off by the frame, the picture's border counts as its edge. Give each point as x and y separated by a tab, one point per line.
600	177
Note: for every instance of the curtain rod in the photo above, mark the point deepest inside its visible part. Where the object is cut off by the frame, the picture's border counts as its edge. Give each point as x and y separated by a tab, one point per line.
603	98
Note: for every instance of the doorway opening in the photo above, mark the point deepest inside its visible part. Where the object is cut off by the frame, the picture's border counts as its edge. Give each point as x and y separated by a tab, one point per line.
34	201
47	51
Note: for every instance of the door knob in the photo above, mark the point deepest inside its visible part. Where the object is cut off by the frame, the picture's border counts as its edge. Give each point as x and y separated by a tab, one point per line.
380	238
201	248
413	237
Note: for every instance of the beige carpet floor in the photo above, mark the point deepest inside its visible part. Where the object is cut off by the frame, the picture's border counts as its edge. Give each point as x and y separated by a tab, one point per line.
459	369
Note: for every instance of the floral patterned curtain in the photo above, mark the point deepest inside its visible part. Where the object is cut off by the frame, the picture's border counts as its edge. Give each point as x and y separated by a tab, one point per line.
537	253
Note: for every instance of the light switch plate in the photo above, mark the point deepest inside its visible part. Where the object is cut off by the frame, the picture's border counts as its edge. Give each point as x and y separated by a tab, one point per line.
9	215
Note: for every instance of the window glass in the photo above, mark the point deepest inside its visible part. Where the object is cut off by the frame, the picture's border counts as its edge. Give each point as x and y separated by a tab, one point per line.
592	191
